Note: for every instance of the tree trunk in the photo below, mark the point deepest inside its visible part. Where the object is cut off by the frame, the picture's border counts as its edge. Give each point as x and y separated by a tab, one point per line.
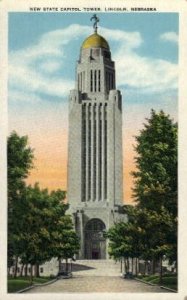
160	278
136	266
66	265
26	270
31	275
128	264
16	267
176	267
153	266
125	265
59	265
21	273
37	270
145	267
132	269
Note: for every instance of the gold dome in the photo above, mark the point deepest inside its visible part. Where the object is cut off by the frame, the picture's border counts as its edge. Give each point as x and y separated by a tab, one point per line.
95	41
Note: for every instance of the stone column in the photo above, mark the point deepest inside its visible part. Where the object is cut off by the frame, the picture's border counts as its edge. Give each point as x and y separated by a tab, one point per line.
87	154
81	216
103	153
92	152
97	152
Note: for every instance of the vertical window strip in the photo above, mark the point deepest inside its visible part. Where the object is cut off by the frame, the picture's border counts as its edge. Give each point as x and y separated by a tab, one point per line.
84	87
99	81
108	86
105	132
106	81
95	81
89	154
112	81
82	81
78	82
91	81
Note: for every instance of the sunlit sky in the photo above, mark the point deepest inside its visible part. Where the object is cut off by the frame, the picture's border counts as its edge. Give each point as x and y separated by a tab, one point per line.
43	50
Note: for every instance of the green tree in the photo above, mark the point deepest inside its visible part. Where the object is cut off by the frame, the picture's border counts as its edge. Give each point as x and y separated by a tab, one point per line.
126	239
155	186
38	228
20	162
46	231
151	230
156	162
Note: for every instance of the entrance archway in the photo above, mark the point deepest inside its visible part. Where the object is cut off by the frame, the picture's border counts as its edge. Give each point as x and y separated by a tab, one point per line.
95	243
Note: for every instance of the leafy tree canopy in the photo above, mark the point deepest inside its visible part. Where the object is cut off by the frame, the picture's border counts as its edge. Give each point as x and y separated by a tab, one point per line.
156	164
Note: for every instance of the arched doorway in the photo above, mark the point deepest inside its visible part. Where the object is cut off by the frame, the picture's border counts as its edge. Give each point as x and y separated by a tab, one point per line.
95	243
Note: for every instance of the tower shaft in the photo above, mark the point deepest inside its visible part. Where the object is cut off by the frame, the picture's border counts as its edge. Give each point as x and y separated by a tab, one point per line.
95	141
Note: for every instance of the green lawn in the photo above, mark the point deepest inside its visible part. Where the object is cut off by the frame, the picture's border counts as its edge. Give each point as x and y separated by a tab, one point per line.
19	283
169	280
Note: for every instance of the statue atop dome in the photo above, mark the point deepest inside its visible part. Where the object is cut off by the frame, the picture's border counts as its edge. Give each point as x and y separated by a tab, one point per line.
96	20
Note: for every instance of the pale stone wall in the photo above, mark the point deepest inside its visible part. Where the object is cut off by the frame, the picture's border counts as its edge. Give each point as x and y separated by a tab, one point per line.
96	94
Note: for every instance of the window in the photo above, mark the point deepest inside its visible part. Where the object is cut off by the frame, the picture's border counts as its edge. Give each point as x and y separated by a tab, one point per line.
95	81
91	81
41	270
81	81
95	225
99	80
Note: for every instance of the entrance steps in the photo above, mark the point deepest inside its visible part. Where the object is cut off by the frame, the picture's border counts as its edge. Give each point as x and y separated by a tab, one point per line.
98	267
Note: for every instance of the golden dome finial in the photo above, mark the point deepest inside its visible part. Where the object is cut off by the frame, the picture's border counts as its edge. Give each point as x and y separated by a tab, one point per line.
96	20
95	40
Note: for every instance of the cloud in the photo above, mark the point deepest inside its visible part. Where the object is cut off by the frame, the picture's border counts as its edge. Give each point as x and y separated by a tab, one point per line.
28	79
146	74
169	37
50	66
40	70
126	40
21	96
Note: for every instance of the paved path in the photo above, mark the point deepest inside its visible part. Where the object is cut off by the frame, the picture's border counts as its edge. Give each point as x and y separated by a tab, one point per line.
96	276
82	284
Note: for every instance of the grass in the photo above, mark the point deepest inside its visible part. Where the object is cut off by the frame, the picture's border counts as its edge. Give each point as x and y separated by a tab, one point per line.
19	283
168	280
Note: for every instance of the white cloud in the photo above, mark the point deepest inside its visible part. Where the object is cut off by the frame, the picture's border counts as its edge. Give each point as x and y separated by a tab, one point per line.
50	66
33	69
169	37
30	80
127	40
146	74
22	96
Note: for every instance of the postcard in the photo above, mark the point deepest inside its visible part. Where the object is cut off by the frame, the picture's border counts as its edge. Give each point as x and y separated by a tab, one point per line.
93	144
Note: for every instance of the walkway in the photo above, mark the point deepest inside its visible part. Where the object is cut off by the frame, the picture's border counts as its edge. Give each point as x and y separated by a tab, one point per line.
96	276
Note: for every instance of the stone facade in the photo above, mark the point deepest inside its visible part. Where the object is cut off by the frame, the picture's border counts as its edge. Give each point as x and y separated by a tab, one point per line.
95	148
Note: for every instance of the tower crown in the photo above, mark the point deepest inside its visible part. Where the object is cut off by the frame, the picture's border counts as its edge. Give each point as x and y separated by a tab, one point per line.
95	41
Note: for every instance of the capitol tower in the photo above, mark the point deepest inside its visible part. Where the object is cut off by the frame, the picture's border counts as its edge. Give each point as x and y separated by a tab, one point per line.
95	147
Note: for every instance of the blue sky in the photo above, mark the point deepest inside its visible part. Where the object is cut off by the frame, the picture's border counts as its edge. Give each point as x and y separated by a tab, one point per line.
44	48
145	30
150	25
